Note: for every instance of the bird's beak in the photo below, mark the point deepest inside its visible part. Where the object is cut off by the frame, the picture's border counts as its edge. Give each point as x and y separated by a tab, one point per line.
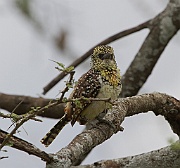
108	56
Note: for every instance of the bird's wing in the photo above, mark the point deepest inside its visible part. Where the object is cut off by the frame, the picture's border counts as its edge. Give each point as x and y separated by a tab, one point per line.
88	86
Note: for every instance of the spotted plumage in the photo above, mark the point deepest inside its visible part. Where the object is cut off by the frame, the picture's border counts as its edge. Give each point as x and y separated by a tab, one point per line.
88	86
101	81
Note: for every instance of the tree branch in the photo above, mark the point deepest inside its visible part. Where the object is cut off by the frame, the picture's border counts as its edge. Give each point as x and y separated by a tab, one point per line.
161	104
115	37
76	151
164	157
9	103
25	146
162	28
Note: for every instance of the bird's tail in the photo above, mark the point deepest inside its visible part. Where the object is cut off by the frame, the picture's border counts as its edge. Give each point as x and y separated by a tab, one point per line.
51	135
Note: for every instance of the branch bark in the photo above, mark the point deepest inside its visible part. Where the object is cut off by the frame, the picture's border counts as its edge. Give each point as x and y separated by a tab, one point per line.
162	28
164	157
25	146
76	151
10	102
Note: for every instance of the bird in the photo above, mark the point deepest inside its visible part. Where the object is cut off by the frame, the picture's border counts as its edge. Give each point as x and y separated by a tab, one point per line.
103	80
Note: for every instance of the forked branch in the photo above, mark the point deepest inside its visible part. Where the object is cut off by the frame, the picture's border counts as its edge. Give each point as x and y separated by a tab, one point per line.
160	104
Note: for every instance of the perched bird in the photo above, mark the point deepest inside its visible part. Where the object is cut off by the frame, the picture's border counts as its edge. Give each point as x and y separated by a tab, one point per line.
101	81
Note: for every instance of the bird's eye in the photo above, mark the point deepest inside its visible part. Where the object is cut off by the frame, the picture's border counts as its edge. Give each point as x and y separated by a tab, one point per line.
101	56
106	56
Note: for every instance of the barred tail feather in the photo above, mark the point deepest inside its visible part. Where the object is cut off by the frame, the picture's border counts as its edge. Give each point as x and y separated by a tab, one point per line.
51	135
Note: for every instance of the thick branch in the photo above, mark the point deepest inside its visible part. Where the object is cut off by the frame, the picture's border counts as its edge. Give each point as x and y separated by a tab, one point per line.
164	105
75	152
25	146
159	103
25	103
162	28
165	157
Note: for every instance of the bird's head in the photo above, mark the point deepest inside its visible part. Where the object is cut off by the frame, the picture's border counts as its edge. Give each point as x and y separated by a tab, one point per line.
103	58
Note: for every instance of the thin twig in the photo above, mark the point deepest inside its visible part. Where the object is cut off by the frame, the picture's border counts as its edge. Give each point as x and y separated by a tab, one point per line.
3	157
8	102
27	116
117	36
25	146
34	112
37	111
67	87
82	144
89	99
16	117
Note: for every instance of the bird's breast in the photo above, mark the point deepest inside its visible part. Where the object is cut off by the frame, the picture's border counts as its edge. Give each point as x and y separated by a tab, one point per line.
97	107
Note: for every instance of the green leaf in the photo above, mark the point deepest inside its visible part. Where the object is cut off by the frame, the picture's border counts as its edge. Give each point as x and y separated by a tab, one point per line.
69	85
78	104
69	69
59	64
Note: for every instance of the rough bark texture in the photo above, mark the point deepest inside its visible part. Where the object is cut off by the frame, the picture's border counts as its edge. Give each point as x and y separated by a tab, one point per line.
75	152
25	146
166	157
162	28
